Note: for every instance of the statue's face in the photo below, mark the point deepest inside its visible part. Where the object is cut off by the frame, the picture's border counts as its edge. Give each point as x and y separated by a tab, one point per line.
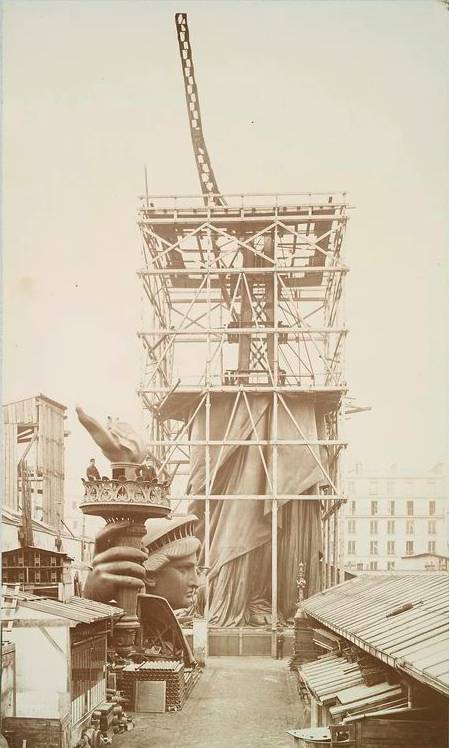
178	581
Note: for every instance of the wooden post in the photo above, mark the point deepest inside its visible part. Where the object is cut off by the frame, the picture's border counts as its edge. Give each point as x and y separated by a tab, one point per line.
274	436
207	521
274	531
274	573
207	455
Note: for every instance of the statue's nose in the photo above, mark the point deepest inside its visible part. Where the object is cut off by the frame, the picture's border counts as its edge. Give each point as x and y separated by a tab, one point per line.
194	580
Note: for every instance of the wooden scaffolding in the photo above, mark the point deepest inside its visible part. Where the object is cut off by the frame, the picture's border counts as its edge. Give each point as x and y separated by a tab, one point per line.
245	295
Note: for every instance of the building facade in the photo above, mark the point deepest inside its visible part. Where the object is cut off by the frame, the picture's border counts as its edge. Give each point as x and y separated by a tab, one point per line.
389	519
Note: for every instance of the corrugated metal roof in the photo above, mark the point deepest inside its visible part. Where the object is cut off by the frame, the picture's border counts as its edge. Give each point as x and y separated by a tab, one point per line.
402	620
77	609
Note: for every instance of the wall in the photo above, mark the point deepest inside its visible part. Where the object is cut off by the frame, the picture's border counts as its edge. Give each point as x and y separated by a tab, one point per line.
34	733
42	676
423	563
50	456
8	678
10	460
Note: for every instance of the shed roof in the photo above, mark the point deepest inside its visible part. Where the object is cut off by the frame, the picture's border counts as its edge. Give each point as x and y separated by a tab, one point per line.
339	684
76	610
329	674
403	620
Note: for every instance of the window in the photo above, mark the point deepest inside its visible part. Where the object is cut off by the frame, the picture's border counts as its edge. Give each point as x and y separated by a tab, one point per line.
352	507
409	547
410	509
351	488
432	507
390	548
373	548
359	567
390	565
373	565
432	527
351	547
52	560
373	527
351	526
390	527
431	546
409	527
391	508
374	507
390	487
372	487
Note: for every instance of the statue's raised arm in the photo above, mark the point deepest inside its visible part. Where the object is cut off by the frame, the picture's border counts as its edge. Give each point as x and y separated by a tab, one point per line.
118	441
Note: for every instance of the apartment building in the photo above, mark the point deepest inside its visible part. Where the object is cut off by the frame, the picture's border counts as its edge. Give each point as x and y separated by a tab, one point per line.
391	519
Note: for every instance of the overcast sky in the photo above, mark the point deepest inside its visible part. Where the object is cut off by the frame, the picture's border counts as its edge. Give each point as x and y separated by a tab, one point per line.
295	96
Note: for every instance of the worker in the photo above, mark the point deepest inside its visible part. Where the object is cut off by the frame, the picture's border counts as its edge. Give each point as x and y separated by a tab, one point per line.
280	644
92	471
146	471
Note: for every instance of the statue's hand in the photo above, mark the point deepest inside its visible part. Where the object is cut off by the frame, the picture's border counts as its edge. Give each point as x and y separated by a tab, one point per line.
114	567
119	443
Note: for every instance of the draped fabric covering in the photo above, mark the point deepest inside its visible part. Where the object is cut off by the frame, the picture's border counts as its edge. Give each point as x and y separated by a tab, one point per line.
240	530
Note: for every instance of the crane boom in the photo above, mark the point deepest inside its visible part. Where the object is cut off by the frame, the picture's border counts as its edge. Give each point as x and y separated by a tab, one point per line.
208	182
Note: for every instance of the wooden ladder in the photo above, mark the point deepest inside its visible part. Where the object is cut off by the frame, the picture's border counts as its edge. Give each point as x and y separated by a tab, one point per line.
9	606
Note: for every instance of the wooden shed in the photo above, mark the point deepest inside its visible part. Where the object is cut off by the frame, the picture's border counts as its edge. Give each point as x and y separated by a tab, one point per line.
382	678
60	666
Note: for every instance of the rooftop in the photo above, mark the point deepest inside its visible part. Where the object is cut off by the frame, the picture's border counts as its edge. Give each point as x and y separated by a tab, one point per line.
339	684
402	619
76	610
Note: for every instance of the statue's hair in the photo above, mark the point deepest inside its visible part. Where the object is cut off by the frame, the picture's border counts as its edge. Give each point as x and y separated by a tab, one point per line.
172	551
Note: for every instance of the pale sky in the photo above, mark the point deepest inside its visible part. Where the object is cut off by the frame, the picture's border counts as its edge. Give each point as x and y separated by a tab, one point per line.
295	96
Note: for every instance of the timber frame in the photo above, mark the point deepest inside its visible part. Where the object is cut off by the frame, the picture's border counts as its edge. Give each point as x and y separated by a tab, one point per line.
243	295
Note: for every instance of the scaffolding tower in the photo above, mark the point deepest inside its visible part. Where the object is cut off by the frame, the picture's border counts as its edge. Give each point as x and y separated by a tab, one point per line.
244	295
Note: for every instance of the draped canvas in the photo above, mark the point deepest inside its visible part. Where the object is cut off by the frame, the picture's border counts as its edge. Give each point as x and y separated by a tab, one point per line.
240	531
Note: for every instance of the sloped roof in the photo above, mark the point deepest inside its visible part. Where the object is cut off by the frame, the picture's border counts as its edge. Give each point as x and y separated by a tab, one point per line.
77	610
37	548
403	620
339	684
329	674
